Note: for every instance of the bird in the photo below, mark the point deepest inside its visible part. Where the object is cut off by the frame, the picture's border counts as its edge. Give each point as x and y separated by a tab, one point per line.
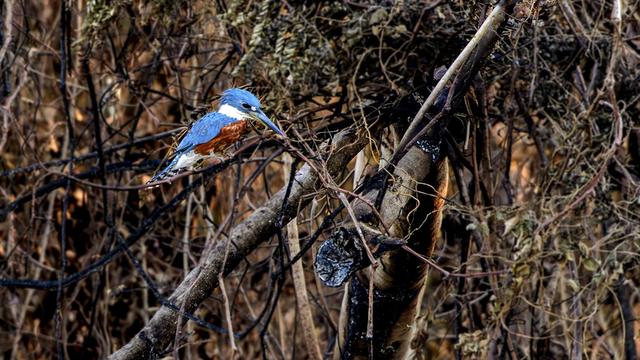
214	132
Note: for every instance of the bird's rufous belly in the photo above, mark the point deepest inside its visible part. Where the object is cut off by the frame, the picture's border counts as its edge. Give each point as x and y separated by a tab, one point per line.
228	135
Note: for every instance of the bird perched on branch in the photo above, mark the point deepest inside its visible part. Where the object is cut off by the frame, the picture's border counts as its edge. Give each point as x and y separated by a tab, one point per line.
214	132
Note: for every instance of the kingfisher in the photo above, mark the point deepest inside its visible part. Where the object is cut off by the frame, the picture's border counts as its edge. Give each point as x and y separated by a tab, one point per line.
214	132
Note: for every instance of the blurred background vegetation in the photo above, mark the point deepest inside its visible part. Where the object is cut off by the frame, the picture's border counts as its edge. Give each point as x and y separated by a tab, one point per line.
544	164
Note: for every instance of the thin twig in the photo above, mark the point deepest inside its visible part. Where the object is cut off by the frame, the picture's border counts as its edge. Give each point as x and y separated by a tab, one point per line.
490	24
311	342
227	314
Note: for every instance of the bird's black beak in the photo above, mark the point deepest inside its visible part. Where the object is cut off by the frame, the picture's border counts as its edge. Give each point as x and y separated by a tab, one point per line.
260	116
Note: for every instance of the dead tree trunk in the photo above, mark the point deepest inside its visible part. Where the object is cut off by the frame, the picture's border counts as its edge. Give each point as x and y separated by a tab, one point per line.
381	325
399	275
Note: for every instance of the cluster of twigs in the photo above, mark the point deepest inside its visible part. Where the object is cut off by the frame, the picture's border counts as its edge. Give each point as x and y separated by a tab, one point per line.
531	107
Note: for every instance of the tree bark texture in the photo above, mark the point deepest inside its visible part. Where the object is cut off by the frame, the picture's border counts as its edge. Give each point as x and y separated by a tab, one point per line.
399	276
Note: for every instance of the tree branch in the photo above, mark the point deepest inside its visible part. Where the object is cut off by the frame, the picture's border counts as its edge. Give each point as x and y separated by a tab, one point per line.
245	237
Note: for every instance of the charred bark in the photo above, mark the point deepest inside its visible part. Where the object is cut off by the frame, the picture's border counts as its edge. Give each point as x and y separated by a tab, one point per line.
399	277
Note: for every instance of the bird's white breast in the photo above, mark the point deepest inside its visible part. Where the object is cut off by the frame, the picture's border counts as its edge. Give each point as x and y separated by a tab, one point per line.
232	112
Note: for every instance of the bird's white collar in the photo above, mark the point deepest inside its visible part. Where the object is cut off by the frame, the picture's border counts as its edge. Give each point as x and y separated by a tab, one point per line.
232	112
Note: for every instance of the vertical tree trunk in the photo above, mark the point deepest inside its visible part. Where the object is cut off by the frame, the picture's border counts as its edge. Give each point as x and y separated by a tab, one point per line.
400	276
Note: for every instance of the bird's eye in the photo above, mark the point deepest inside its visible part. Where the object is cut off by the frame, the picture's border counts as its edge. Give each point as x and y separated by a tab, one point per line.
246	106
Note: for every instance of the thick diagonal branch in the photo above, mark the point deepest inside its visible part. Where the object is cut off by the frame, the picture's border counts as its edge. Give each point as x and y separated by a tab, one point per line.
245	237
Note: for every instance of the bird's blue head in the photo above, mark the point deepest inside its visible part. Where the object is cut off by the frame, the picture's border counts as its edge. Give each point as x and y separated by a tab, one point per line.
240	104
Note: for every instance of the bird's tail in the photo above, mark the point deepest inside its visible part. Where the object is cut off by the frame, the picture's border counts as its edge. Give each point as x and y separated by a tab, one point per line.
168	171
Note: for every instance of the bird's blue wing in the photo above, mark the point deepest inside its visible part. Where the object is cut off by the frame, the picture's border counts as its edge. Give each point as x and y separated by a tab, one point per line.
203	130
